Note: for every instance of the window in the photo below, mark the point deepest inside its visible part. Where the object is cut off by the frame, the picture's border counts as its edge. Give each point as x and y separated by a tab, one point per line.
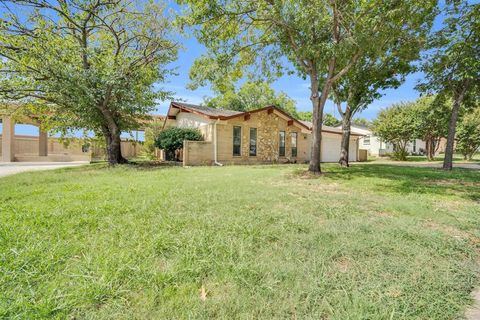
253	142
86	147
366	140
237	141
281	149
294	144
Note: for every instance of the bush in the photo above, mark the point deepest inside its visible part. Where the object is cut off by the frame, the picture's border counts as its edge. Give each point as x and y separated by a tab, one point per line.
171	139
152	131
399	155
468	135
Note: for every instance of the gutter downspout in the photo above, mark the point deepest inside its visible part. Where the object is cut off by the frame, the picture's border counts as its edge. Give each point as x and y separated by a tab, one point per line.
215	162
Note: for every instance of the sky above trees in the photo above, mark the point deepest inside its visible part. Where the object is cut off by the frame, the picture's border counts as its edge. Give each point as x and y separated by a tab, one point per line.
294	86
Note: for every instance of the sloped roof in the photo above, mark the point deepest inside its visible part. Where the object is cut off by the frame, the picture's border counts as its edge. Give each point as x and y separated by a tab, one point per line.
213	112
223	114
330	129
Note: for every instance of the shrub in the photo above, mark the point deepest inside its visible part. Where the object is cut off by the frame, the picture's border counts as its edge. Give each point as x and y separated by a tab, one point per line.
399	154
468	135
171	139
151	133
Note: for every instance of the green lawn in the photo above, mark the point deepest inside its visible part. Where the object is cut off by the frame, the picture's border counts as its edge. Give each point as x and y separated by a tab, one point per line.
368	242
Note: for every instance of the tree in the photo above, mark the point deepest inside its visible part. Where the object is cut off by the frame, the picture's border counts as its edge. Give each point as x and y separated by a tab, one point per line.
452	65
171	139
305	115
432	114
468	134
95	62
397	125
152	131
330	120
252	95
378	70
321	39
361	122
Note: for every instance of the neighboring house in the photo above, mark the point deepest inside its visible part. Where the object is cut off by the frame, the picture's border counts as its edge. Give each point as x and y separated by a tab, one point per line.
259	136
377	147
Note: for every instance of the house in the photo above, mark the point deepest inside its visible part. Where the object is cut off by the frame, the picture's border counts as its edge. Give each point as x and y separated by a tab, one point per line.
375	146
264	135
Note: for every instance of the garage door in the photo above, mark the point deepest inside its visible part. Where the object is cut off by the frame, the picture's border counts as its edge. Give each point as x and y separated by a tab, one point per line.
331	148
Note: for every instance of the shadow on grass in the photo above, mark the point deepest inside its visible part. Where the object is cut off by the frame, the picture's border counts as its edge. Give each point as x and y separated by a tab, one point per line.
407	180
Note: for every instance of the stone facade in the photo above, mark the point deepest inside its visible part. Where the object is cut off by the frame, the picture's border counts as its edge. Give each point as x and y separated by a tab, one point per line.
268	126
269	122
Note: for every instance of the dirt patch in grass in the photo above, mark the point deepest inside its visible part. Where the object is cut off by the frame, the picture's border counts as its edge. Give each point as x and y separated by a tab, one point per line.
453	232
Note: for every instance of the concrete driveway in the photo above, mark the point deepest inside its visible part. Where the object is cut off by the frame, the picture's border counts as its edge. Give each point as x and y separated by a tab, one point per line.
9	168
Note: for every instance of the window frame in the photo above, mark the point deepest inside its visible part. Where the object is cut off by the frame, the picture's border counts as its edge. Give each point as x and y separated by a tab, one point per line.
233	142
365	141
254	154
281	138
294	146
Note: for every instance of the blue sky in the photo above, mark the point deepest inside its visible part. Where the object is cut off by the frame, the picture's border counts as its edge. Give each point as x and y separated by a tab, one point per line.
294	86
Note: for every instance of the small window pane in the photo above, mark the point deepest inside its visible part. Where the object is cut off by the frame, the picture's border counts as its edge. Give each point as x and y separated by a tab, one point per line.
366	140
281	151
294	144
253	142
237	140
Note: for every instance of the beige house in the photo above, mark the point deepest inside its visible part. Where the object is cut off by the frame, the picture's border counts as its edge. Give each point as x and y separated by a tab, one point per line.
260	136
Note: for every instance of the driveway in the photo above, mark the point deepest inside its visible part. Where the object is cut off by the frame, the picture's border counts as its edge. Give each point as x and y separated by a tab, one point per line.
9	168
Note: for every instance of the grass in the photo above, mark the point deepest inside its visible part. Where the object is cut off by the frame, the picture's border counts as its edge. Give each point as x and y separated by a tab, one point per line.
368	242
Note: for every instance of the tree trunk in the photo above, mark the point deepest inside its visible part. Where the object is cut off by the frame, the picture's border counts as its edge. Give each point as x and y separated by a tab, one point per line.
430	148
452	126
315	156
112	133
346	129
318	104
114	149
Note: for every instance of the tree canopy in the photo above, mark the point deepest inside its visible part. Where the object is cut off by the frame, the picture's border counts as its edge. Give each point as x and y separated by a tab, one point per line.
432	114
468	134
322	40
397	125
452	65
94	63
251	96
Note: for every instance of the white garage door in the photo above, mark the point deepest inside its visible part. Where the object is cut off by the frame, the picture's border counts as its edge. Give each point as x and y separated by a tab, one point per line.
331	148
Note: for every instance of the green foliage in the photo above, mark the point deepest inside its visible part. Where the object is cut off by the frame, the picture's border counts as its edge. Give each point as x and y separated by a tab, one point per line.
251	96
330	120
397	125
453	63
468	134
305	115
433	114
152	131
385	242
94	63
361	122
172	138
322	40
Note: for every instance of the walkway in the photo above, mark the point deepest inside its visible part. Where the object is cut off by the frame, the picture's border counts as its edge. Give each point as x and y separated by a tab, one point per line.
9	168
